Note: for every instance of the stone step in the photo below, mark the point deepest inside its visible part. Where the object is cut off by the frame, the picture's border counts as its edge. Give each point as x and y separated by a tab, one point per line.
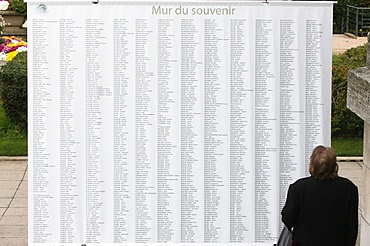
8	31
16	31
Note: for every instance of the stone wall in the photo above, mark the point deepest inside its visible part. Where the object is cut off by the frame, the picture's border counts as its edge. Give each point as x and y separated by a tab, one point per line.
365	204
358	100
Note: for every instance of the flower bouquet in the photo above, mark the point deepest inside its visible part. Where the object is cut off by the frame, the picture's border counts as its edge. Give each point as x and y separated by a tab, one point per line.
4	5
10	47
2	24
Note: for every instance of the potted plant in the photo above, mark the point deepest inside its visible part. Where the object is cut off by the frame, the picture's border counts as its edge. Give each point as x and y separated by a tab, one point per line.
14	12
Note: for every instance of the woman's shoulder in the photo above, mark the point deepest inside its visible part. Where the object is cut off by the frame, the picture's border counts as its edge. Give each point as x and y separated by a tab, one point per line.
346	181
304	180
341	181
301	183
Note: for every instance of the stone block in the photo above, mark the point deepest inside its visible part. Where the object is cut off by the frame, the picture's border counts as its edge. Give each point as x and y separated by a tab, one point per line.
5	201
358	92
22	191
16	211
14	220
19	202
13	232
367	143
365	235
365	209
358	100
365	206
11	175
14	241
368	51
13	165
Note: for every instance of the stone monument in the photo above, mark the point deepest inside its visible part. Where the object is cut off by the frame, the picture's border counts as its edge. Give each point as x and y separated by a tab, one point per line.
358	100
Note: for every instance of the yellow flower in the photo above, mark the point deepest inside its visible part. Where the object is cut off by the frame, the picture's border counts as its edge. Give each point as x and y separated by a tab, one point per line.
22	43
8	37
11	55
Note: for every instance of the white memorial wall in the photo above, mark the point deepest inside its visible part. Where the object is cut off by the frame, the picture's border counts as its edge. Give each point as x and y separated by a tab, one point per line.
172	122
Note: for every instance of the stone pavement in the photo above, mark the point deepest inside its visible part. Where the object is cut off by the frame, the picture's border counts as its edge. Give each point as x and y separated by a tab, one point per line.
13	201
353	171
13	196
14	176
341	43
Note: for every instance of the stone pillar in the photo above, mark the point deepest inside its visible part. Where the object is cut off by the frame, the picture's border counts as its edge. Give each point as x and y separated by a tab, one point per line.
358	100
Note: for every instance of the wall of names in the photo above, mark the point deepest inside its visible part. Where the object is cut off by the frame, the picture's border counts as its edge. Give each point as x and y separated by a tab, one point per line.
172	122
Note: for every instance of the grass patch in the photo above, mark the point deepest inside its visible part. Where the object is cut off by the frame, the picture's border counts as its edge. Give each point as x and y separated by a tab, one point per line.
13	142
348	146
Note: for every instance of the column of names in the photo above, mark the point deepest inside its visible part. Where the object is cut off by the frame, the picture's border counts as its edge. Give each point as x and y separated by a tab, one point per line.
145	136
313	68
192	205
45	158
168	142
266	126
291	107
216	133
241	94
124	130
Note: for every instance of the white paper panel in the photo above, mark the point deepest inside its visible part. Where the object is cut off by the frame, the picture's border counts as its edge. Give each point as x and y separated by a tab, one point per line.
172	123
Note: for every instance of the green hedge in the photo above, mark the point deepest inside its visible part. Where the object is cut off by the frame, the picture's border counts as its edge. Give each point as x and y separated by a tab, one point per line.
344	122
13	90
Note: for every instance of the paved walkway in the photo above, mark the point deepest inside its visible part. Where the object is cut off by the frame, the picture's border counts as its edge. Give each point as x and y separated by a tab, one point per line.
343	42
13	178
13	201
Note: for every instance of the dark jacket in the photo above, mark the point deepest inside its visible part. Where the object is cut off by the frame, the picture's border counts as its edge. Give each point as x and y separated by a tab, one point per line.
323	213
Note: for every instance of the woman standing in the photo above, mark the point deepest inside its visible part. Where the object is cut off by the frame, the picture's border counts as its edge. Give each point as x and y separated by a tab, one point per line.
322	209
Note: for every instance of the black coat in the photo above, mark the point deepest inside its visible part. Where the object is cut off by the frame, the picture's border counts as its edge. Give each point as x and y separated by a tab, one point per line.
322	213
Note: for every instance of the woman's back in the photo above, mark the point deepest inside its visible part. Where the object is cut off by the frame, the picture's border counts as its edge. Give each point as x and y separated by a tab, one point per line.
327	212
322	209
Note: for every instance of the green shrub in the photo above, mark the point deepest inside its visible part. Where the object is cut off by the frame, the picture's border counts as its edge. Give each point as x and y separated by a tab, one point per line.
13	90
344	122
19	6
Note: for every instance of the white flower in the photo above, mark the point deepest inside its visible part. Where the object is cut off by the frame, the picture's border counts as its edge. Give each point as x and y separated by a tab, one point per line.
3	56
4	5
22	48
